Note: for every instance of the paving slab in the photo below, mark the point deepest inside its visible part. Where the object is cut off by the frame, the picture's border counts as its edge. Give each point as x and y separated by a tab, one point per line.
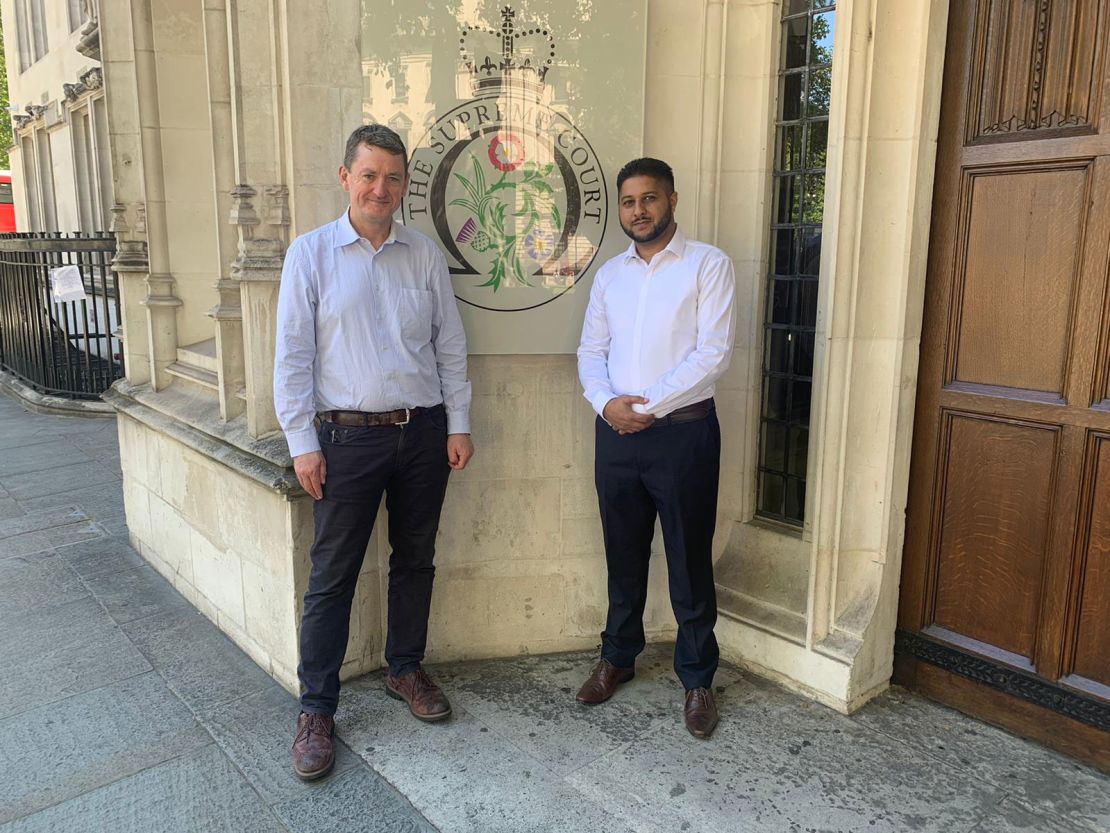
109	554
779	763
114	525
199	663
59	751
135	593
37	520
36	581
256	732
33	429
1011	817
9	508
1039	778
100	501
356	801
530	701
197	793
54	652
41	456
56	480
45	539
459	774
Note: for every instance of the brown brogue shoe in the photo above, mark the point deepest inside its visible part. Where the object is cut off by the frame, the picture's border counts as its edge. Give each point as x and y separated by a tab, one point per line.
701	712
603	682
314	747
426	700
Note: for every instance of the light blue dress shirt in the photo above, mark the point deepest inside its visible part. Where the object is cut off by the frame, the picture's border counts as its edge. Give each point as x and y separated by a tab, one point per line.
371	330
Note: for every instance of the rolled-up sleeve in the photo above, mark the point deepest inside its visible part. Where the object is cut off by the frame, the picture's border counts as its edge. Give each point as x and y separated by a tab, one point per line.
449	341
295	354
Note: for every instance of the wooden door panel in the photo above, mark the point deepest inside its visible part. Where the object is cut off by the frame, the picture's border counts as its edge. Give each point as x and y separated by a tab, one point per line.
1092	641
990	560
1014	304
1036	67
1006	566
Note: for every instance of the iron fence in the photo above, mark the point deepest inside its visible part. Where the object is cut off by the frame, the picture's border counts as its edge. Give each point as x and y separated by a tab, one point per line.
62	348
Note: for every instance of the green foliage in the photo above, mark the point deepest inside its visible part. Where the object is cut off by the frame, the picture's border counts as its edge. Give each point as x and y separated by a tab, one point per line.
535	196
5	119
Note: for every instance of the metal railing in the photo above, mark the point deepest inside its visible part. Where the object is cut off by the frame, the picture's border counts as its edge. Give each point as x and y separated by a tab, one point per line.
63	348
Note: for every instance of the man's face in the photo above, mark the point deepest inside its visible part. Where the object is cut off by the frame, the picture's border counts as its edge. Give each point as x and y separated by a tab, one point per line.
646	208
376	182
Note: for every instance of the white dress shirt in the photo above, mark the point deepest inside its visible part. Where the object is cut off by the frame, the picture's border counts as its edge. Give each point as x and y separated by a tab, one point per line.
661	330
361	329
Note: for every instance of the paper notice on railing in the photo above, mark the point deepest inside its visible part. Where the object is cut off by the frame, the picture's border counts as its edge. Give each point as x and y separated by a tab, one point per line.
67	284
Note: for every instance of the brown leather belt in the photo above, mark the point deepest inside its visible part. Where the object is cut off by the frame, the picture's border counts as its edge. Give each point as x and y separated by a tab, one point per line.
367	419
687	413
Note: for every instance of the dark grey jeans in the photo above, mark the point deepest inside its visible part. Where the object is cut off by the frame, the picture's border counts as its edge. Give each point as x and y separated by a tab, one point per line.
409	466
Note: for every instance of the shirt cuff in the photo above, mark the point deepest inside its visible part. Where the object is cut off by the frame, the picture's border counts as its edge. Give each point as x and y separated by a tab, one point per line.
458	422
600	400
302	442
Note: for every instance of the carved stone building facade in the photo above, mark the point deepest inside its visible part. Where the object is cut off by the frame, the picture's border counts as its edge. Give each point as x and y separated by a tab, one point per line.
60	158
226	127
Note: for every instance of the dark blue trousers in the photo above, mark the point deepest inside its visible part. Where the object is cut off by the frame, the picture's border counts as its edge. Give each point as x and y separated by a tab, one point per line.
669	471
409	466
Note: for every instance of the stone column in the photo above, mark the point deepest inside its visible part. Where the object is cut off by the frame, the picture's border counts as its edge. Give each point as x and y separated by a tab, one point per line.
257	271
131	82
258	136
228	313
132	266
882	148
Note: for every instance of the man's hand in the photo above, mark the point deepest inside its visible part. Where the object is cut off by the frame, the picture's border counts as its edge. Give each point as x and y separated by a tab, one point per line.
459	450
311	473
618	413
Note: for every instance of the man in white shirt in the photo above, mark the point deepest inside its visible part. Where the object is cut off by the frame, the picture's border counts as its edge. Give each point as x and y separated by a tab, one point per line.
371	391
658	334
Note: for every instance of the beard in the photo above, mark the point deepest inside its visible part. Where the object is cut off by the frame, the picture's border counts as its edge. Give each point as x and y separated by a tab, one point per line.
653	233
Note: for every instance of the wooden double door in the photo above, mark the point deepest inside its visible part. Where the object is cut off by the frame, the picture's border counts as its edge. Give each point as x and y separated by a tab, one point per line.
1005	598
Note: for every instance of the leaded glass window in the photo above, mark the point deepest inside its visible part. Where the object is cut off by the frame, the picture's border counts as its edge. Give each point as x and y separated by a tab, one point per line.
801	141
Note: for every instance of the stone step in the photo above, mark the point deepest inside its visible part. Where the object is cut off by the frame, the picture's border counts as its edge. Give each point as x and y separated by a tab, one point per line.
202	355
197	375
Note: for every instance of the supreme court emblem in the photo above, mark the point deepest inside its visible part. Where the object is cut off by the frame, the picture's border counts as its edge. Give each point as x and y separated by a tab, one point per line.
505	182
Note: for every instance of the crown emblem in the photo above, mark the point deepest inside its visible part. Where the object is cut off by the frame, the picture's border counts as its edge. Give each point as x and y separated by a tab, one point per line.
512	57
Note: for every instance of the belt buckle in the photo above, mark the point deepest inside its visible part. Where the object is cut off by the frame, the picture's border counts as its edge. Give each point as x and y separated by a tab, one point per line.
408	417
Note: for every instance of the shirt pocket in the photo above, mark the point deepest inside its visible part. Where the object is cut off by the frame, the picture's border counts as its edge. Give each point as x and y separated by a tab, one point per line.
414	316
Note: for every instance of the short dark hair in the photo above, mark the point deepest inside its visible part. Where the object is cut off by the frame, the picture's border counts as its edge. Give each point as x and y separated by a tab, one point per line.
376	136
655	168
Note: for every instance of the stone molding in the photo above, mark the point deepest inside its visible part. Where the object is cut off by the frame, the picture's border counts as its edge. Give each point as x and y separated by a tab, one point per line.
42	403
88	82
89	43
259	258
35	113
131	250
266	462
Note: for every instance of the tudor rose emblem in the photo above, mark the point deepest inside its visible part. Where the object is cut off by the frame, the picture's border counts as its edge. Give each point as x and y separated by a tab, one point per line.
505	181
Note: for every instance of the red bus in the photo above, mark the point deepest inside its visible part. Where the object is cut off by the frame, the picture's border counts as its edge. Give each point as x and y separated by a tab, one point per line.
7	204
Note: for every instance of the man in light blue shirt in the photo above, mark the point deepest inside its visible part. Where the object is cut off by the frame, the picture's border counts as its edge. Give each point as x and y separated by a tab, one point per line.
370	388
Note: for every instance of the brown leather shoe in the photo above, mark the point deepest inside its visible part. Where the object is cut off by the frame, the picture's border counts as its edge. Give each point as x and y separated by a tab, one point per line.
313	747
426	700
701	712
603	682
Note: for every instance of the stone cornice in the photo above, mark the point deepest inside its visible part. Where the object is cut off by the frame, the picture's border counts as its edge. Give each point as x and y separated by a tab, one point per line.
265	461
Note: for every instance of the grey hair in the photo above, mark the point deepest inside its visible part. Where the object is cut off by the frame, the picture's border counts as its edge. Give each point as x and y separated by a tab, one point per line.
377	136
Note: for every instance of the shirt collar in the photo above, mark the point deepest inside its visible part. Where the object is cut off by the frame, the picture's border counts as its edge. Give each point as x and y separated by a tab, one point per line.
346	234
677	247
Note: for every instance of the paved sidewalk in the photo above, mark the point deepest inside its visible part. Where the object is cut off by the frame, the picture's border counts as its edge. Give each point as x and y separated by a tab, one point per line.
122	709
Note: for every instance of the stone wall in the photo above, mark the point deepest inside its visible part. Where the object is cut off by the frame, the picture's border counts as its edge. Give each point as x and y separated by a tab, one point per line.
520	563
